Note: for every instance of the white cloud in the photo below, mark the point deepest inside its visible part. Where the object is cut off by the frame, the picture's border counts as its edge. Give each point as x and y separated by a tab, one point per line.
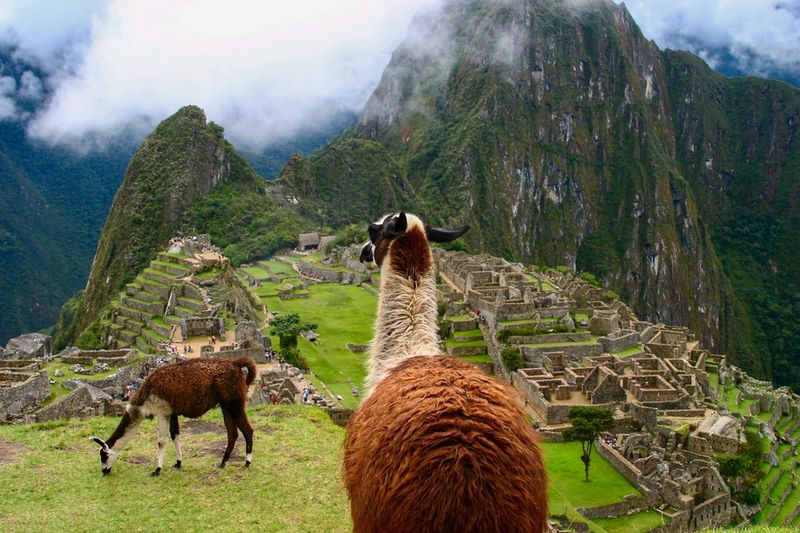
761	35
30	86
264	69
8	108
261	69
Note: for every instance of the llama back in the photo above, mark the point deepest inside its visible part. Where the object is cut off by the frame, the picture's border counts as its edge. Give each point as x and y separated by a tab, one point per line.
453	453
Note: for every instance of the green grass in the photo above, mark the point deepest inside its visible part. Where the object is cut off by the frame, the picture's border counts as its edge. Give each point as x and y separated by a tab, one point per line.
208	274
460	318
452	342
482	358
568	490
627	352
344	313
635	523
277	267
791	503
57	390
294	483
556	344
258	273
467	333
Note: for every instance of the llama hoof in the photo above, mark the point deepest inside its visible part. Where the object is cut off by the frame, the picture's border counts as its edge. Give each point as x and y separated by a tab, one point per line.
247	464
222	464
106	471
156	472
177	464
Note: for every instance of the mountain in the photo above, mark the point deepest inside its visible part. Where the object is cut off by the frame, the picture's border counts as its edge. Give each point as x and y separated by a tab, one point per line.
184	177
563	136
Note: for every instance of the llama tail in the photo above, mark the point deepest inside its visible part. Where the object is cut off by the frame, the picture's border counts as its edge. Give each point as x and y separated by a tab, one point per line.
250	366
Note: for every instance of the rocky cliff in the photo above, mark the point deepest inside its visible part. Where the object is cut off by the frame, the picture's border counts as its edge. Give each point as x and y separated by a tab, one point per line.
563	136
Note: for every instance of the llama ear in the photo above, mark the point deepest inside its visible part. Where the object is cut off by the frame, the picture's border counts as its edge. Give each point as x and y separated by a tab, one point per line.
444	235
397	226
100	442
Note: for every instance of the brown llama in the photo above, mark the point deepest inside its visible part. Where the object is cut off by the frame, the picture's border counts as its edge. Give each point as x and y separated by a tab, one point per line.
189	388
436	445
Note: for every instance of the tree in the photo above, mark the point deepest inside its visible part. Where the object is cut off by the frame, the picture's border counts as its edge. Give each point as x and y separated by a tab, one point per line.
287	328
587	424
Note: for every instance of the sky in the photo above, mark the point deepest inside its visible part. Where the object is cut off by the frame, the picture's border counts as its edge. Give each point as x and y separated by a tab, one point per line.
268	69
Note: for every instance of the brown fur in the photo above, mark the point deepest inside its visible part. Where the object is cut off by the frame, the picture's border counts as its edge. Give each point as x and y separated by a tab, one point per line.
410	255
194	386
189	388
438	446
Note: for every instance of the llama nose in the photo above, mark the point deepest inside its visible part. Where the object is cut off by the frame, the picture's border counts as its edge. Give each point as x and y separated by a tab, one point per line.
367	255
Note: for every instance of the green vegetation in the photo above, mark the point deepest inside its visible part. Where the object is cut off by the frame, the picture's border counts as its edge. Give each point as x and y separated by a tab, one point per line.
504	334
512	359
295	473
587	424
344	314
287	327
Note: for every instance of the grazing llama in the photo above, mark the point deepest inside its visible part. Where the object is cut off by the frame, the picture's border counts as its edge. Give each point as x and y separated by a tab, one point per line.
189	388
436	445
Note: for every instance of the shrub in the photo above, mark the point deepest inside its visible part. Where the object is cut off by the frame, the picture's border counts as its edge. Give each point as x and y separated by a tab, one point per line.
292	356
512	359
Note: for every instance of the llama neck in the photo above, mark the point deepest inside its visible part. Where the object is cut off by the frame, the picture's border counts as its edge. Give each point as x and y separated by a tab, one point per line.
406	323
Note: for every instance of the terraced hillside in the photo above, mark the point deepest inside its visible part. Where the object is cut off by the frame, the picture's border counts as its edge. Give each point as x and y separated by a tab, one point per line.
142	315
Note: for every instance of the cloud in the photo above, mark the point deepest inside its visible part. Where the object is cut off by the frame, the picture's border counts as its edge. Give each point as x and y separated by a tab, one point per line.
760	37
8	108
263	70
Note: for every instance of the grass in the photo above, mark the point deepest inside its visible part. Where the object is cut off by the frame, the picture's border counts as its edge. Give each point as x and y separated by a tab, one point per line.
568	490
556	344
294	483
627	352
258	273
635	523
482	358
452	342
57	390
278	267
345	314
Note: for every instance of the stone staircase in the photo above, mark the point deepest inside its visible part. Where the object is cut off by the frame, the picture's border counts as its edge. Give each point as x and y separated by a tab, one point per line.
143	315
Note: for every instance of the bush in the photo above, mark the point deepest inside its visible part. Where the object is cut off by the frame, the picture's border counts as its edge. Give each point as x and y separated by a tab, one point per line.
512	359
292	356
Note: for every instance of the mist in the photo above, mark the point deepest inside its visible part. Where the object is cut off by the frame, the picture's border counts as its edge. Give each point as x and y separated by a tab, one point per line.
269	70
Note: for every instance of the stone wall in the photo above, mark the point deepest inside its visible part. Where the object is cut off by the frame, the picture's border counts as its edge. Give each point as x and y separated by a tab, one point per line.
257	354
109	357
619	340
202	327
24	393
625	467
340	415
84	402
535	353
329	275
550	337
630	504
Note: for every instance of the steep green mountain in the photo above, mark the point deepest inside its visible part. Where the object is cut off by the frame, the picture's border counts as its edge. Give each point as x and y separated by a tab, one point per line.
184	177
563	136
52	206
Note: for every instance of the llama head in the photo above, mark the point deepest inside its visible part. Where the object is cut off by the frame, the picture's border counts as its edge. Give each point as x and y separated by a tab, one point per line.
404	228
107	456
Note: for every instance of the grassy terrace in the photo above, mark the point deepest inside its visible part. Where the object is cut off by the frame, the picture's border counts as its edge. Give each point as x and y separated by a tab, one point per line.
568	490
277	267
627	352
294	483
258	273
58	390
593	340
345	313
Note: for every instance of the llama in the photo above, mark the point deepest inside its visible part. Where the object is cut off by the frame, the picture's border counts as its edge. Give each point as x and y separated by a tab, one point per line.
436	445
189	388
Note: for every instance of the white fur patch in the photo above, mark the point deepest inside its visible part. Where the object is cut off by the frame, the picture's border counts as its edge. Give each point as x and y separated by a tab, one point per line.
154	405
249	458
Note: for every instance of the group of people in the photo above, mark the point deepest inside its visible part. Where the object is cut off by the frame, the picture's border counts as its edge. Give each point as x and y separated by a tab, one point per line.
131	387
268	395
308	391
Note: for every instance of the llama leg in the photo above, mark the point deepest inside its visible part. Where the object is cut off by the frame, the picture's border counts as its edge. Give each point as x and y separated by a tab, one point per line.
163	431
247	430
233	434
175	433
